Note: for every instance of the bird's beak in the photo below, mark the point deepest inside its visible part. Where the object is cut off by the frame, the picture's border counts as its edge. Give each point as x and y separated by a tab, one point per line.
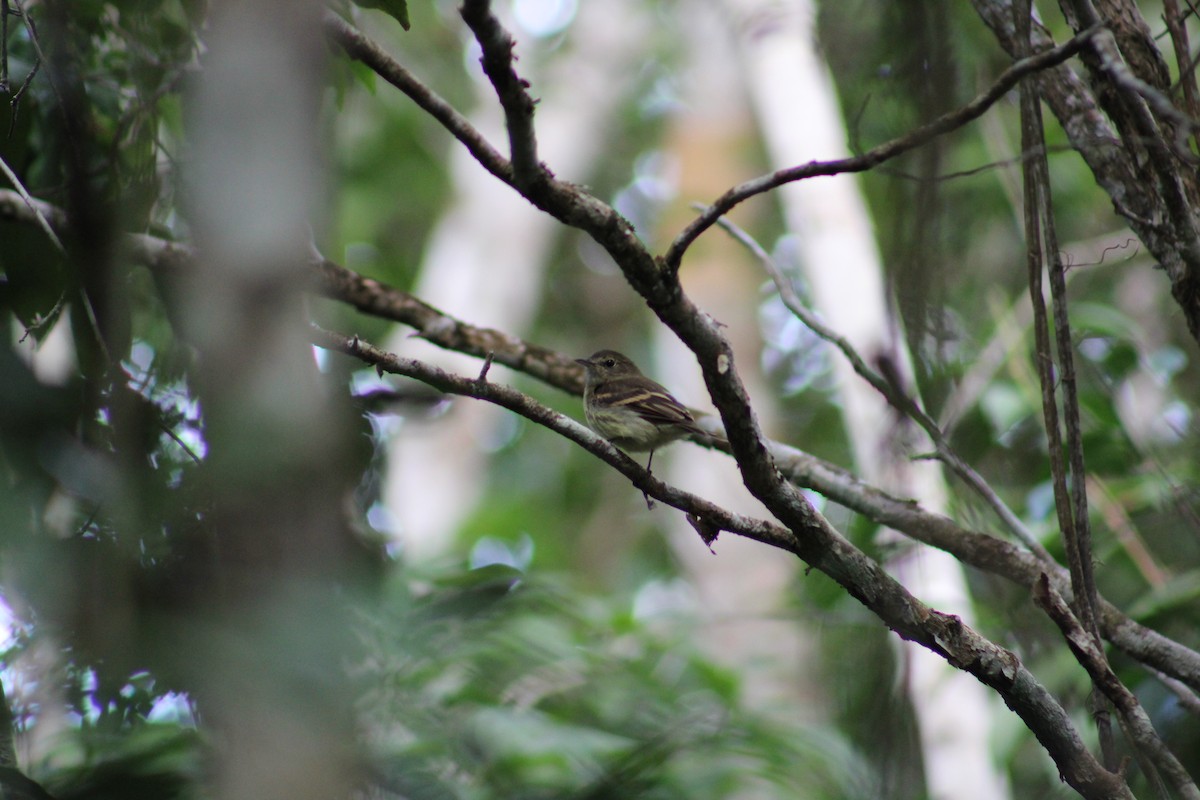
583	361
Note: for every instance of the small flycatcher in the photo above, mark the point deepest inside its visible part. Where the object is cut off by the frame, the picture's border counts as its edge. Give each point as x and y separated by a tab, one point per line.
630	410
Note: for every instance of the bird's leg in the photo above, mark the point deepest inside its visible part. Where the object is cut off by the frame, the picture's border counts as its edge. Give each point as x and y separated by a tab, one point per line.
649	502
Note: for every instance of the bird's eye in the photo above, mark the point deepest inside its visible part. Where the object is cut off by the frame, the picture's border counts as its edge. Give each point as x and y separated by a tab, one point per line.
609	362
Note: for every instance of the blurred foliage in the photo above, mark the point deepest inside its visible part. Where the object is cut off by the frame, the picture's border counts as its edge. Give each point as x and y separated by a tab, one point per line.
495	683
488	682
533	663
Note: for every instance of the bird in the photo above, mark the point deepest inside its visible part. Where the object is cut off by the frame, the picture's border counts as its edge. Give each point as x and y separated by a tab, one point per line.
632	411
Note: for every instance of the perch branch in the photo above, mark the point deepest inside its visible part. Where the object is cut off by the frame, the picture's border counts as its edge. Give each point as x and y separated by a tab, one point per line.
482	389
820	545
980	550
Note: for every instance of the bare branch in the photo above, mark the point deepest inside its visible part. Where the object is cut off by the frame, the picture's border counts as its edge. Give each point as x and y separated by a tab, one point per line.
984	552
1183	693
894	394
497	61
877	155
820	545
974	548
14	206
1118	161
1134	720
1110	62
1177	25
433	325
36	208
362	48
506	397
39	211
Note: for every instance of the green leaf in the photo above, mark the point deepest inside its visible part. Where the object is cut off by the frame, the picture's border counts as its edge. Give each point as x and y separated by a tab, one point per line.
397	9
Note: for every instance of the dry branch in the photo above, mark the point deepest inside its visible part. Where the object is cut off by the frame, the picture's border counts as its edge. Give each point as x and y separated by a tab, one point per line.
820	545
980	550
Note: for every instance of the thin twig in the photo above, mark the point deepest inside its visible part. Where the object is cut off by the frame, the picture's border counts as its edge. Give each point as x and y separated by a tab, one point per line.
943	124
15	103
487	364
946	177
37	47
165	428
43	223
1039	233
893	394
360	47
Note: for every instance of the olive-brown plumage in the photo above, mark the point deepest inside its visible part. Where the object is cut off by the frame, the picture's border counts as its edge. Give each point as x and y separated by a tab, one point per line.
630	410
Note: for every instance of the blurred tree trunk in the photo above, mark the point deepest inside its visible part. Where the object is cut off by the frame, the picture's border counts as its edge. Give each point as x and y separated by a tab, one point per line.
266	637
487	259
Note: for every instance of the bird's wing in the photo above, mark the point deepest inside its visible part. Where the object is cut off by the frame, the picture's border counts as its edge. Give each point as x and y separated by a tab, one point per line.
654	405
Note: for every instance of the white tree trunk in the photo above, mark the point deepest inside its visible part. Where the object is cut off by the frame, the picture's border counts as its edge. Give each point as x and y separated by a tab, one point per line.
801	121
